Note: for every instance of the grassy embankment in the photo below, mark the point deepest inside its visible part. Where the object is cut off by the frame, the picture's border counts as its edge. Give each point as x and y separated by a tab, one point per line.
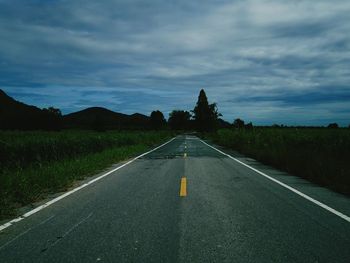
34	164
318	155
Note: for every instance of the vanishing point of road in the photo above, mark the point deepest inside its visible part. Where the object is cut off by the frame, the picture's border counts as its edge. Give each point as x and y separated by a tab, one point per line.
186	202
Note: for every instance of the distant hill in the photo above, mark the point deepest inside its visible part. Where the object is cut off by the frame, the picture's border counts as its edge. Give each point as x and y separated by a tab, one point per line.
101	118
15	115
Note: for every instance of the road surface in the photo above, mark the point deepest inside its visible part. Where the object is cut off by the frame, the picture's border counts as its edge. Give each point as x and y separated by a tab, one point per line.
185	202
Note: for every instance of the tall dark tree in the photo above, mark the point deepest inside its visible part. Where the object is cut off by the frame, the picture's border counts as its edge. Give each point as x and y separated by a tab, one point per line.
205	115
179	120
157	120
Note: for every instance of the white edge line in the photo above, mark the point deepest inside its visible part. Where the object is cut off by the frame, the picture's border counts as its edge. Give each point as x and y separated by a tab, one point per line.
37	209
324	206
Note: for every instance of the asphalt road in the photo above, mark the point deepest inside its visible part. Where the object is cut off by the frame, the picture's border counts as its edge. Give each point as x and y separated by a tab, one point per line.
227	213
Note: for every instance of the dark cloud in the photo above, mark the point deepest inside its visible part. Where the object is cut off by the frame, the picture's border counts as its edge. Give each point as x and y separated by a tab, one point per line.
290	99
263	60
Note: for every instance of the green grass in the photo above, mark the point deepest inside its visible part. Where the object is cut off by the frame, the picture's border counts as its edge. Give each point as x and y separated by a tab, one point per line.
20	149
318	155
34	164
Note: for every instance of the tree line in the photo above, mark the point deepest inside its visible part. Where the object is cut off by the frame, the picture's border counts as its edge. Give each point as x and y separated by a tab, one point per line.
203	118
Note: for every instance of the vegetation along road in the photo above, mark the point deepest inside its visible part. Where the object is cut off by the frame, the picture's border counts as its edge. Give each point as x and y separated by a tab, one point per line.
185	202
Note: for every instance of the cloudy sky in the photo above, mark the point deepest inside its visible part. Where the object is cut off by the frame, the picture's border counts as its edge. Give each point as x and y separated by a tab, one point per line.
266	61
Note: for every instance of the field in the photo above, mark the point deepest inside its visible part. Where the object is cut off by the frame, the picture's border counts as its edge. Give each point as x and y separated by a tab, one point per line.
318	155
34	164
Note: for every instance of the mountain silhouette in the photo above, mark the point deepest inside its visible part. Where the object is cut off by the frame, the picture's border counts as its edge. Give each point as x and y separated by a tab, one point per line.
98	117
15	115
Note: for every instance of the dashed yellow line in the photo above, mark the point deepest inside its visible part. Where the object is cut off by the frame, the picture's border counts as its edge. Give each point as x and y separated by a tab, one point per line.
183	187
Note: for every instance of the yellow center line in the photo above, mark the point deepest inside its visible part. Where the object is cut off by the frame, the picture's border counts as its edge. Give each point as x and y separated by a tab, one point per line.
183	188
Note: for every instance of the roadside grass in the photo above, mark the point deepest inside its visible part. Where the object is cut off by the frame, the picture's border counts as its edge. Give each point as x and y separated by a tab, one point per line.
318	155
20	149
41	163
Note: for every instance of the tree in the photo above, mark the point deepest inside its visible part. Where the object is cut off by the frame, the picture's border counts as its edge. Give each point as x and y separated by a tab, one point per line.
249	126
52	119
205	115
333	125
179	120
157	120
54	111
238	123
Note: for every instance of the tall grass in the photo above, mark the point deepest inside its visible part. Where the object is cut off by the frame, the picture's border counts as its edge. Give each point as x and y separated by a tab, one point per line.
319	155
34	164
20	149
